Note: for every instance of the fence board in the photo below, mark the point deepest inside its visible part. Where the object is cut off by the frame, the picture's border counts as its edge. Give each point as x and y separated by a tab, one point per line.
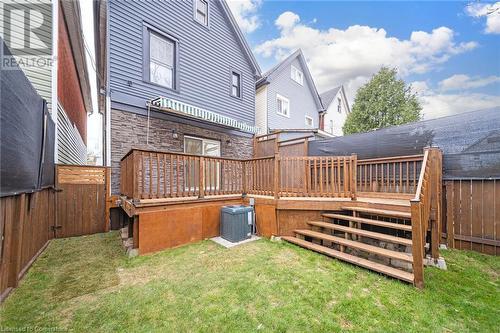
473	215
25	230
81	200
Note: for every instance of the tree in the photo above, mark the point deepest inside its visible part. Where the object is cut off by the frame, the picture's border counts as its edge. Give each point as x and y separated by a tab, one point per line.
384	101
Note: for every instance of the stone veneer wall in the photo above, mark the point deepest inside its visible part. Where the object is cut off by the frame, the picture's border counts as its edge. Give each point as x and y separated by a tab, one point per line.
128	130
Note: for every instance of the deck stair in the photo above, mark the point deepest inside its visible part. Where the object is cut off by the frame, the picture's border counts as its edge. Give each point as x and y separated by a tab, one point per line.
373	238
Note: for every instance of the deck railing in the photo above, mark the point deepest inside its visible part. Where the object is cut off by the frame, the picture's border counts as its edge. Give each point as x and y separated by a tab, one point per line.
389	175
426	211
153	174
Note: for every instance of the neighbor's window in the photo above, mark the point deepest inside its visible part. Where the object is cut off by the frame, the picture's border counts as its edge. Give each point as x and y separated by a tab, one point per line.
201	11
297	75
283	106
309	121
331	126
161	60
339	106
235	84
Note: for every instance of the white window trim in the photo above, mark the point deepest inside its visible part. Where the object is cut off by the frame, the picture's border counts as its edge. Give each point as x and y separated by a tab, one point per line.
299	71
196	11
278	96
312	121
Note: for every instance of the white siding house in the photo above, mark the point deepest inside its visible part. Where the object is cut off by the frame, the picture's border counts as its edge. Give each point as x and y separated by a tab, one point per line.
287	99
337	109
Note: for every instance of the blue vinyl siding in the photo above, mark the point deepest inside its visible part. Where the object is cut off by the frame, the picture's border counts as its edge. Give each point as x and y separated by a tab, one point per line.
301	101
206	57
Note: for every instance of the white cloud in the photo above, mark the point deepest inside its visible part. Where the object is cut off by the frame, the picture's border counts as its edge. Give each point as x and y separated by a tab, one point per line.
490	11
245	13
462	82
287	20
353	55
438	104
420	87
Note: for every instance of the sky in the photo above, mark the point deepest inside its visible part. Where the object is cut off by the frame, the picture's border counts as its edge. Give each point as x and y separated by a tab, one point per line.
449	51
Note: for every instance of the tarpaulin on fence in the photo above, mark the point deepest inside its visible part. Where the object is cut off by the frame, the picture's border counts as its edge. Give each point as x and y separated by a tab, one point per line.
25	127
470	143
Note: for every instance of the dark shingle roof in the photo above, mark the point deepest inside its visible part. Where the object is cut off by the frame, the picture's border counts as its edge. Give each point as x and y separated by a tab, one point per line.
328	96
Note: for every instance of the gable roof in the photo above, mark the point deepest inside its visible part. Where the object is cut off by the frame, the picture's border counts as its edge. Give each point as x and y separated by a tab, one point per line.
268	76
328	96
240	37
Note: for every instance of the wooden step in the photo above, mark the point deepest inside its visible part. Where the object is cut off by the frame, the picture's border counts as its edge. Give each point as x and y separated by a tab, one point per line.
390	271
356	245
361	232
385	224
382	212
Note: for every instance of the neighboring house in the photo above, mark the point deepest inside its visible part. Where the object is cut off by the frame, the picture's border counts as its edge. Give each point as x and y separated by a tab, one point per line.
337	109
181	79
55	65
287	99
74	101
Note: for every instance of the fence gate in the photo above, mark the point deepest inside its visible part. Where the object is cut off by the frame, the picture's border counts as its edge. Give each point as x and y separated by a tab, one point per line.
81	200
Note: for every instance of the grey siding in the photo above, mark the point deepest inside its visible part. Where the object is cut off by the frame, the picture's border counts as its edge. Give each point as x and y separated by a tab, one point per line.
70	146
206	57
301	100
39	76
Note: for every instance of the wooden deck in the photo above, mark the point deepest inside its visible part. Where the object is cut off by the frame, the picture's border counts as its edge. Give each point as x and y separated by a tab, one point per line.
336	205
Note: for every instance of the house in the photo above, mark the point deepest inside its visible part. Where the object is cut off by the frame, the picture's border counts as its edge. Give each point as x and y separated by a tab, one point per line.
337	109
287	100
181	79
74	101
55	64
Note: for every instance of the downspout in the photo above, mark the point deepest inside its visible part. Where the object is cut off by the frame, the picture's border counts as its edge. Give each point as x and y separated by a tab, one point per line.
107	115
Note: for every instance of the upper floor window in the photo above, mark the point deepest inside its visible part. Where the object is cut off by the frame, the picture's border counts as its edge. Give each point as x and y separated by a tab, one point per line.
201	11
339	106
282	105
297	75
161	60
309	121
235	84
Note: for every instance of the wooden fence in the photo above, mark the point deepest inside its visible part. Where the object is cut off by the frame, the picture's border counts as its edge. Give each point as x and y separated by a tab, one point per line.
26	222
472	214
81	200
270	145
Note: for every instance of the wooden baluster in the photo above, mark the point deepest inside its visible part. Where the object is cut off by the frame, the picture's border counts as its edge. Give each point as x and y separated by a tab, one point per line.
177	167
400	177
414	176
201	178
171	185
394	177
407	189
276	176
346	178
158	176
164	175
320	177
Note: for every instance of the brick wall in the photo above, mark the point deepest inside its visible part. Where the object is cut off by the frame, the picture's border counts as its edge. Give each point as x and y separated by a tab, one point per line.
69	93
128	130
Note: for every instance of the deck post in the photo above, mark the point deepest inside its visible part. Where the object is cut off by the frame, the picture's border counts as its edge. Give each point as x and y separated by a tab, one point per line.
276	176
354	175
417	246
201	180
16	241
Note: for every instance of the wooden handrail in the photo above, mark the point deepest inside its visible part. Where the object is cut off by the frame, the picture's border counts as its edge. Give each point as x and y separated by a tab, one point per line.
407	158
418	193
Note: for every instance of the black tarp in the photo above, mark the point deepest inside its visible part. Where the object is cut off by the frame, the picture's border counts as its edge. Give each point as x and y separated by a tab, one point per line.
24	124
470	143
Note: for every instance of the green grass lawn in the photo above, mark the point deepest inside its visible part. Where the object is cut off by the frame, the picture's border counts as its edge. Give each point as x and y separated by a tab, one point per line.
88	284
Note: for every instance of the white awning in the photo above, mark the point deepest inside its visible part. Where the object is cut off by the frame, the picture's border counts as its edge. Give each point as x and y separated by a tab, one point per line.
167	104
